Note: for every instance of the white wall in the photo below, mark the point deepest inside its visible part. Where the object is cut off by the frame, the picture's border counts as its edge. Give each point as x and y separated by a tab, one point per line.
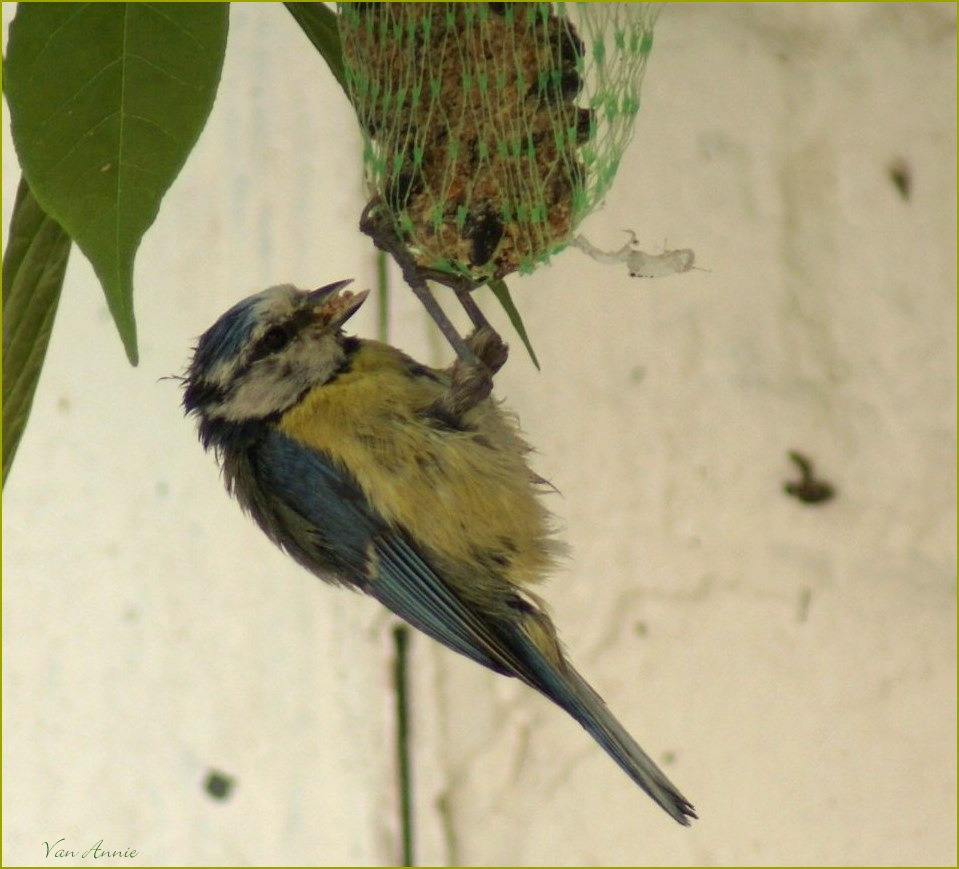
798	663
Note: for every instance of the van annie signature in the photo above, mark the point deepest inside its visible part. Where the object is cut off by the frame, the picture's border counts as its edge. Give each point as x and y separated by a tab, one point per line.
95	851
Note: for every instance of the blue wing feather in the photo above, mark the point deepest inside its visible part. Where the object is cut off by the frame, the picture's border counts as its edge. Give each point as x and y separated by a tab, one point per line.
340	530
320	515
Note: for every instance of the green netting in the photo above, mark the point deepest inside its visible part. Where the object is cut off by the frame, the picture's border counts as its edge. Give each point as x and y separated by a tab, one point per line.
492	129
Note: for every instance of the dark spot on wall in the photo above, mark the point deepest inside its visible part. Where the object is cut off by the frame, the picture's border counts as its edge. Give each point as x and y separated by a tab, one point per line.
807	488
218	785
901	176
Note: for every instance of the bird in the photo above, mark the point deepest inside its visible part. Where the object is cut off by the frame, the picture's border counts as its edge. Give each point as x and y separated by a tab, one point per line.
406	482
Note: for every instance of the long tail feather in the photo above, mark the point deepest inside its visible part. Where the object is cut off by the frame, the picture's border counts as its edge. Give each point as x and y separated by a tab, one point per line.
588	708
565	687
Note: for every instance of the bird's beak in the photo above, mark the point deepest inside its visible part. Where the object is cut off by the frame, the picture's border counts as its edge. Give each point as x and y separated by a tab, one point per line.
333	308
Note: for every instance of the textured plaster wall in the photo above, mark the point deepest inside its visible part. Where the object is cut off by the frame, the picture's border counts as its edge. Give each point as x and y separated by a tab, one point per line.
793	667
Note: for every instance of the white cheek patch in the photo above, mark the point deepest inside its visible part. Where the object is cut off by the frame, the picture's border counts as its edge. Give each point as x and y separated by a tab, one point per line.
261	392
639	263
275	383
221	373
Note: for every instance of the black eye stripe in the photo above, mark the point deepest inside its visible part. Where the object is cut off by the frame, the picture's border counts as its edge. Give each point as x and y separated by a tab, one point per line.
278	336
273	340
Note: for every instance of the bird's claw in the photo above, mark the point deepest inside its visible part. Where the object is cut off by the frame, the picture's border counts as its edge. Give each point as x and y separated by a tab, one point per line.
472	382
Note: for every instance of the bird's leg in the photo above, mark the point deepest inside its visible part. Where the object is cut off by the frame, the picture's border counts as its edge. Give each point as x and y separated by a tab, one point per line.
471	383
433	308
464	292
386	239
489	348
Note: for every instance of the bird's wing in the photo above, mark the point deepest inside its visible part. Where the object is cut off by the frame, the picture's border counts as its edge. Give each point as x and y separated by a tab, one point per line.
321	516
329	526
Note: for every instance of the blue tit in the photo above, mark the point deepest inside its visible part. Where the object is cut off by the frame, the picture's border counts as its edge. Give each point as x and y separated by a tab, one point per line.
402	481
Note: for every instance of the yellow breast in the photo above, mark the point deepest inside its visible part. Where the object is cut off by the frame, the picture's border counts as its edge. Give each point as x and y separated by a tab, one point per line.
464	494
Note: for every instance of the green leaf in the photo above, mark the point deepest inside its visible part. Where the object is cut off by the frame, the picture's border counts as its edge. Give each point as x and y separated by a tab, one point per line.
33	267
318	22
106	102
501	291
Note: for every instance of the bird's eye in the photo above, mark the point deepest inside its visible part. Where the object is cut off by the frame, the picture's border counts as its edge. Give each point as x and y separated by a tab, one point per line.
274	339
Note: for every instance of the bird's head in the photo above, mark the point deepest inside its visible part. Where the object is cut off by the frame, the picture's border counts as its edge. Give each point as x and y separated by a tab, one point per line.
259	358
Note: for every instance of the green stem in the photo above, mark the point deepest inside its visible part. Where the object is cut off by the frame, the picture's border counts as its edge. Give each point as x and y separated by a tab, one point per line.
401	633
401	638
382	297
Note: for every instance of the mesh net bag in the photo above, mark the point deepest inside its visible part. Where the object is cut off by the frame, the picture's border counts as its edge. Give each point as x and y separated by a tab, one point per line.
492	129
